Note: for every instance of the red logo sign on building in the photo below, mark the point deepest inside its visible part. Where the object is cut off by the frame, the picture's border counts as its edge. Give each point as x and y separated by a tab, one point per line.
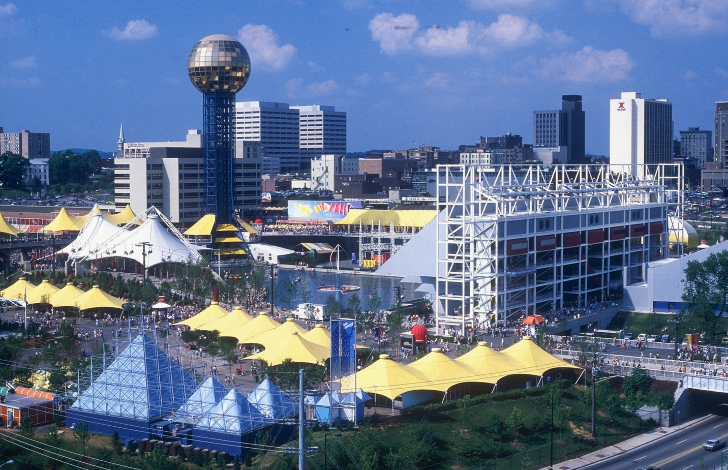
621	107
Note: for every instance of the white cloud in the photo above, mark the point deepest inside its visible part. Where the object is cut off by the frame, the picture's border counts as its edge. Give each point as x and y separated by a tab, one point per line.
669	17
24	63
261	42
19	82
393	33
438	80
722	73
588	65
134	30
400	33
8	9
448	41
325	88
362	80
501	5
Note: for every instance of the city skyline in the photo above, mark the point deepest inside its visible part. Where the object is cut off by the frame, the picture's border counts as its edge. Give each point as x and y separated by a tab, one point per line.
406	73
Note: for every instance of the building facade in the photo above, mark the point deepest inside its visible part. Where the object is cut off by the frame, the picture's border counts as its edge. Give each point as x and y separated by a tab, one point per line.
549	128
526	240
321	131
640	131
170	176
38	168
323	171
575	129
721	133
27	144
698	145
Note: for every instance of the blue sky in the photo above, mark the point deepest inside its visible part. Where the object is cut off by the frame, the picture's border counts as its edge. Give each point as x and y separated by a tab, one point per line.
407	72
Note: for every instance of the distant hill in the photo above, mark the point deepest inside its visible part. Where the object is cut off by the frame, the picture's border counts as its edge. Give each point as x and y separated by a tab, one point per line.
102	154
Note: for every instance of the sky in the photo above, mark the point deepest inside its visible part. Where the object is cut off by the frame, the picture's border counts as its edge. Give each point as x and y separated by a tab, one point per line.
406	72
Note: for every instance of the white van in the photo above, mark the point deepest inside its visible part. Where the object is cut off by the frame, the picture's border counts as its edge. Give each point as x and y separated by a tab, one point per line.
309	311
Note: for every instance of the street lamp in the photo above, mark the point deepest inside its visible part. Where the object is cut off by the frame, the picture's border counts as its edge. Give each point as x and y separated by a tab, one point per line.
676	319
144	246
272	291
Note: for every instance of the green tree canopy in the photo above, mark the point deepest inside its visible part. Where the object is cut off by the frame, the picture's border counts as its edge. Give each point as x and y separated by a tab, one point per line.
14	168
71	167
706	290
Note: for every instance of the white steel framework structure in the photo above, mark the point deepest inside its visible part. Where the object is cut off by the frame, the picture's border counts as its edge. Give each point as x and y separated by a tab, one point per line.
516	240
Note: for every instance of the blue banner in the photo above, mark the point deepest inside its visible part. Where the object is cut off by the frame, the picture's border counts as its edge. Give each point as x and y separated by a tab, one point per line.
343	348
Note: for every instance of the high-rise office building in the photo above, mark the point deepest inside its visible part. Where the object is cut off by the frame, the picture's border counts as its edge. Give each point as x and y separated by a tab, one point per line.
27	144
562	128
292	134
321	131
721	133
575	129
640	130
696	144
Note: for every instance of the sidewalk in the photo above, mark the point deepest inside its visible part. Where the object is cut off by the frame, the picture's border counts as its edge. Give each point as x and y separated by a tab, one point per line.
624	446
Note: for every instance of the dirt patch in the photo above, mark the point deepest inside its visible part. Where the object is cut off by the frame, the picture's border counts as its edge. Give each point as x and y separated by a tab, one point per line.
602	414
583	433
518	446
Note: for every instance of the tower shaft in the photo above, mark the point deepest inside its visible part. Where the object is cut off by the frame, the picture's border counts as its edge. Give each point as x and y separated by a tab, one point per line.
219	156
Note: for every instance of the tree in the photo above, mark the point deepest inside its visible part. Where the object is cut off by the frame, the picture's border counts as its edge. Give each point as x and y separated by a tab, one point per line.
639	381
14	168
82	432
706	290
515	422
27	426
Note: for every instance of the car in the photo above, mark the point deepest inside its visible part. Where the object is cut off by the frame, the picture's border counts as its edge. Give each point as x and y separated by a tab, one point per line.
628	336
713	444
642	337
665	338
649	467
651	338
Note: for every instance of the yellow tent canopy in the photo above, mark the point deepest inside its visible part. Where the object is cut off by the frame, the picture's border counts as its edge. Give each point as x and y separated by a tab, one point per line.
319	335
388	378
66	296
492	364
5	227
294	347
232	320
533	359
18	290
271	337
206	225
41	294
401	218
121	218
256	326
96	298
445	372
65	222
232	239
213	312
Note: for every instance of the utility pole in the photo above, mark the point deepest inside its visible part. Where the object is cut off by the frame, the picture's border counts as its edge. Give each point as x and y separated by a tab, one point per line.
272	291
552	425
676	318
144	246
301	421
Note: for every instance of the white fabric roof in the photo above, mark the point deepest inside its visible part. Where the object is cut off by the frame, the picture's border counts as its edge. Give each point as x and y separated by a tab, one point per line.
96	232
163	247
266	252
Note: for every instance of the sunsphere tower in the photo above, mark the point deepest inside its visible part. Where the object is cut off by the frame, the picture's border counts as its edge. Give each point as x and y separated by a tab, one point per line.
219	67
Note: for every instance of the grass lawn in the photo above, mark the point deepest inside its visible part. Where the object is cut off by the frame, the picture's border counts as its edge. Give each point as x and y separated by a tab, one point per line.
510	430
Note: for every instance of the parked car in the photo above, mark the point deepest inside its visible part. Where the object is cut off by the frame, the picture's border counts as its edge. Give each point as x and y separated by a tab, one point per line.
652	338
649	467
628	336
666	338
713	444
642	337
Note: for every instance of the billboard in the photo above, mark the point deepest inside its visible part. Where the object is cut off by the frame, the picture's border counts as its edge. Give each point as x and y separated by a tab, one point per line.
328	210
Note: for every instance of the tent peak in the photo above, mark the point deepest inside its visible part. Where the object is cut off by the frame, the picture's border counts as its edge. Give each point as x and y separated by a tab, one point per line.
213	303
436	350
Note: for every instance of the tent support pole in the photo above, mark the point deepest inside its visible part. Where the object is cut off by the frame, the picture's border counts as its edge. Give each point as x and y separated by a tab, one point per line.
580	375
301	421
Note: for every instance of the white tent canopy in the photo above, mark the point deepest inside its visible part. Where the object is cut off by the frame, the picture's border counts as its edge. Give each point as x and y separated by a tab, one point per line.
94	234
151	240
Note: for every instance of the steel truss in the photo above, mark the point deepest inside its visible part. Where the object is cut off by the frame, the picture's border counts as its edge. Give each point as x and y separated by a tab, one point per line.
219	156
481	278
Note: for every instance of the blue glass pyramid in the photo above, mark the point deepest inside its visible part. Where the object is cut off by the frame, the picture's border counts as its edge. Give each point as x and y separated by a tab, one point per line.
234	414
269	399
207	396
142	383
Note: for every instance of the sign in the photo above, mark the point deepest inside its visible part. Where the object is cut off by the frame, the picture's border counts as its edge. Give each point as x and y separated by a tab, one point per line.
328	210
343	352
621	107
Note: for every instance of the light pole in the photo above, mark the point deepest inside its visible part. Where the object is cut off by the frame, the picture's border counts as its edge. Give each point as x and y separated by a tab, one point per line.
8	462
272	291
676	320
144	246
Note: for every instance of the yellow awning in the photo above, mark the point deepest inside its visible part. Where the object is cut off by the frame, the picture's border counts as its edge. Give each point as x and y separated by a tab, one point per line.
96	298
232	251
5	227
292	346
41	294
256	326
18	290
445	372
271	337
247	227
66	296
232	320
323	248
121	218
533	359
65	222
204	226
400	218
319	335
492	364
213	312
228	240
388	378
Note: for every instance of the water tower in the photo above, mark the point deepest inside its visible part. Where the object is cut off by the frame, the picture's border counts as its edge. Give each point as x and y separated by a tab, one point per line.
219	67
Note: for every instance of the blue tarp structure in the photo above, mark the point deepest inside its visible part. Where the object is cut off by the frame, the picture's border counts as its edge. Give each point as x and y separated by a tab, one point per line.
271	402
140	386
334	406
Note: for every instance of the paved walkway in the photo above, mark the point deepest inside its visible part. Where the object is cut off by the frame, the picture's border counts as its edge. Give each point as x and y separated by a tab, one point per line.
624	446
